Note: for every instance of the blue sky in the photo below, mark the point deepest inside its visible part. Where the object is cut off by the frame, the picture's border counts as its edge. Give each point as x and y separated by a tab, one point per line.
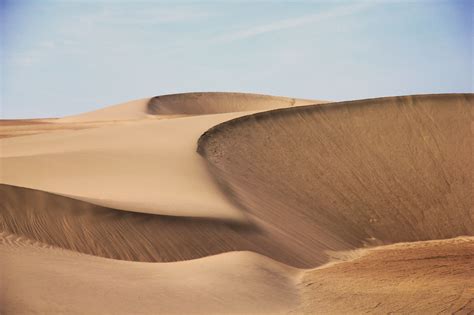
66	57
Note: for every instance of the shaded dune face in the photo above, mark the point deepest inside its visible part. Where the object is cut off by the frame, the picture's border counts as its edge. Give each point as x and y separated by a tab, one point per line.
106	232
347	174
218	102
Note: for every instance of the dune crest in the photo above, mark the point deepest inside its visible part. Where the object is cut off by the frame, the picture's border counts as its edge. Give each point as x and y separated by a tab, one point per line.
205	103
145	166
91	229
343	175
269	190
52	280
184	104
131	110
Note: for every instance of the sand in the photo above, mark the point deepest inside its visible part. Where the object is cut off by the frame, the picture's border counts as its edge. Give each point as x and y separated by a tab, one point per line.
211	203
48	280
343	175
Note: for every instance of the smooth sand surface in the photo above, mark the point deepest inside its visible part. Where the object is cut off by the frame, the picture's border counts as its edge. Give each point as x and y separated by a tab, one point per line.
132	110
145	166
100	211
41	279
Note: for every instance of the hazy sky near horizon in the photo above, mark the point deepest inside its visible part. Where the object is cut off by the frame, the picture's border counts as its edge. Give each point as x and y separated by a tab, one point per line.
65	57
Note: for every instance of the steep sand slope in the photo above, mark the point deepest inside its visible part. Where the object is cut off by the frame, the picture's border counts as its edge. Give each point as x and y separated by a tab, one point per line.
432	277
38	279
144	166
342	175
91	229
128	160
205	103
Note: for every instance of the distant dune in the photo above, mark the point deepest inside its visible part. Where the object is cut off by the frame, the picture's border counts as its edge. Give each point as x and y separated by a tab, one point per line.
220	102
237	203
176	105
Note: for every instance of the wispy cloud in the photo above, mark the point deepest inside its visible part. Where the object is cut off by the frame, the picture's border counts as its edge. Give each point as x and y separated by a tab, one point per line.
114	15
154	15
340	11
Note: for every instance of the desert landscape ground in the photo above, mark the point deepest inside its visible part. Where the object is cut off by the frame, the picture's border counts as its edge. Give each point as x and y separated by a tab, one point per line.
234	203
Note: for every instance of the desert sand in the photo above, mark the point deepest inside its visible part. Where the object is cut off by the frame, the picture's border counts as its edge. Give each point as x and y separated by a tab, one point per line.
241	203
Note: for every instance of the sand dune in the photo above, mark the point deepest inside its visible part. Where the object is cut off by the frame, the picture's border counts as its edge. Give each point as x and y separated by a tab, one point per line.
146	166
49	280
220	102
132	110
155	160
183	104
91	229
342	175
431	277
420	277
292	188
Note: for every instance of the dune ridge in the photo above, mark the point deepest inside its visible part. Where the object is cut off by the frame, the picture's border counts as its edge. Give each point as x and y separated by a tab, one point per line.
205	103
344	175
146	166
425	276
51	280
91	229
265	194
184	104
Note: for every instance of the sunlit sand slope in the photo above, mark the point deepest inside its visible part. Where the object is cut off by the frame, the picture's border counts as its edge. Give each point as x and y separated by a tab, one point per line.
342	175
198	103
35	278
136	109
432	277
144	166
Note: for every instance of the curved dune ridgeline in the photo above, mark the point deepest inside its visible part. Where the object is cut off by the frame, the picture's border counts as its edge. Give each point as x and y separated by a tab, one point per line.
205	103
87	199
96	230
185	104
47	280
342	175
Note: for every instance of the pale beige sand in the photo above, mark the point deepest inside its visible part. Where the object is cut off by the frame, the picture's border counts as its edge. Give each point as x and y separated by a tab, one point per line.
132	110
421	277
139	164
145	166
183	104
39	279
296	185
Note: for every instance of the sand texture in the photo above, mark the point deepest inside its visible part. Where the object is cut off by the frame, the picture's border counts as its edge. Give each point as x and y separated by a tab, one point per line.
234	203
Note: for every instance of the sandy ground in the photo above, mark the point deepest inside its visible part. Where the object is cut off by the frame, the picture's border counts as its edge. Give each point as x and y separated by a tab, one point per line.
431	277
40	279
123	210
